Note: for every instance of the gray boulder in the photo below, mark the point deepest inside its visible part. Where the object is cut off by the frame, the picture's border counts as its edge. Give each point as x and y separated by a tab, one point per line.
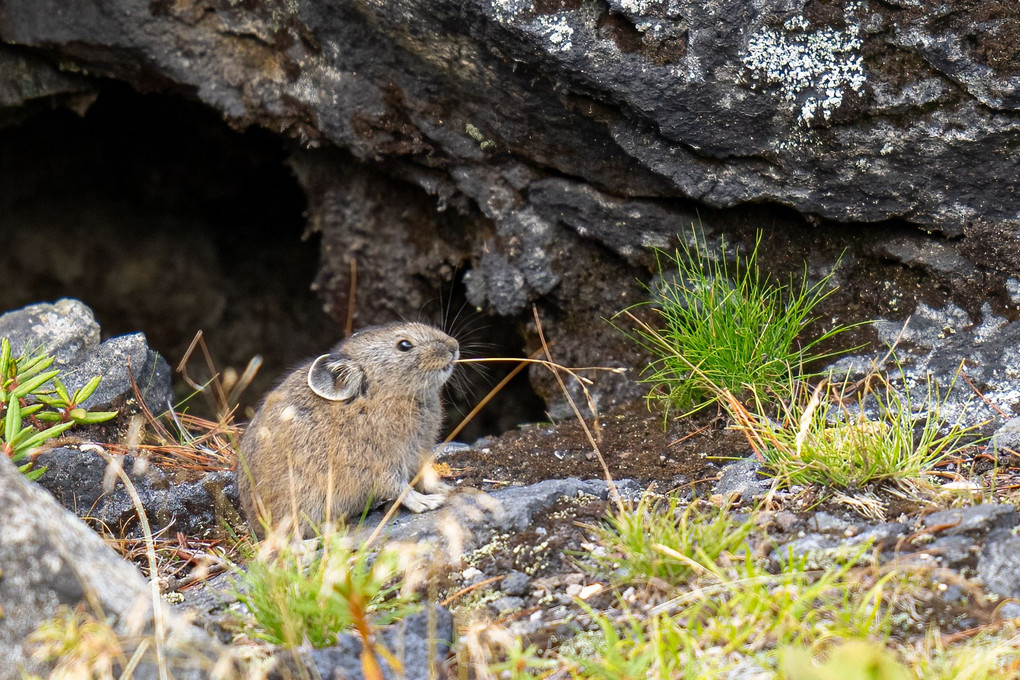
49	559
973	520
511	509
999	564
67	330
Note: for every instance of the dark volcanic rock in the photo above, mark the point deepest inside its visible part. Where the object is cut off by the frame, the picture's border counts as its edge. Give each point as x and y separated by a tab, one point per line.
973	520
506	510
743	479
65	329
999	564
77	480
825	109
543	148
420	642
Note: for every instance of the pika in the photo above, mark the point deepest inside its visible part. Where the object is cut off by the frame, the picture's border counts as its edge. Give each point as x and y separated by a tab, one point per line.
351	428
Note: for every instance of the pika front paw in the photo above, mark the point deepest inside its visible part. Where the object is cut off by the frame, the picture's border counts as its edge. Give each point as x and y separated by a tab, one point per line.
420	502
431	482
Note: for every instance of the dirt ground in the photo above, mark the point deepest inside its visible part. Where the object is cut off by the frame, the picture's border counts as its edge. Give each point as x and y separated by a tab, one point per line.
636	442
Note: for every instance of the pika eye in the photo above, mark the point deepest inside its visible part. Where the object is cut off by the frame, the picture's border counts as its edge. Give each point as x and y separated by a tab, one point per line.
405	345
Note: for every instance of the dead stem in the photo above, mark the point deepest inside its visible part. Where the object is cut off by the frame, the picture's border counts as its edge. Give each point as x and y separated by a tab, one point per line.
555	368
522	364
157	604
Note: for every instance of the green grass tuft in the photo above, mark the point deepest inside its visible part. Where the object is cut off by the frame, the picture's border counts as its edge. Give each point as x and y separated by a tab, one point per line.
723	326
301	596
835	436
659	539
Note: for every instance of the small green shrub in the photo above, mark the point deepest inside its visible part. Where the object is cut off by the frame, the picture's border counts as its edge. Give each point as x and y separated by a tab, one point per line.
26	405
729	327
300	596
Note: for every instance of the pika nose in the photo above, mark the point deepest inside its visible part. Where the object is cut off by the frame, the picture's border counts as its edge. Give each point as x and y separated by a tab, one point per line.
453	347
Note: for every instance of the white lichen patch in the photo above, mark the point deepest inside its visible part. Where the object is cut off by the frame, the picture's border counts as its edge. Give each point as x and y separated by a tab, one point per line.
555	30
1013	289
507	10
812	69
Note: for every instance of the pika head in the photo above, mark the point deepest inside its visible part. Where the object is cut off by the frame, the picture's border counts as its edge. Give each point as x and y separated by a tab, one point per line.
349	429
400	357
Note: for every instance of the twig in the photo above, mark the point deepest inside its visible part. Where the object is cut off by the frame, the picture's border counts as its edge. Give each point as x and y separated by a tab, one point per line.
614	492
488	397
352	290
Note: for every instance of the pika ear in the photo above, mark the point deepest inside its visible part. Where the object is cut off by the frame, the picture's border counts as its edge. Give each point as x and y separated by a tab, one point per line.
336	379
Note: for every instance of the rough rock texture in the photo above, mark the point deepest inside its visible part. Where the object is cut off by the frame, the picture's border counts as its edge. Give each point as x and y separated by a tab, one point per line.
955	347
742	479
755	106
28	83
49	558
999	564
975	520
420	642
541	147
77	480
67	330
507	510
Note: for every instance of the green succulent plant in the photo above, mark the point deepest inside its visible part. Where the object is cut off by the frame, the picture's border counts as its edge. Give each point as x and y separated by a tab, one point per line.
36	406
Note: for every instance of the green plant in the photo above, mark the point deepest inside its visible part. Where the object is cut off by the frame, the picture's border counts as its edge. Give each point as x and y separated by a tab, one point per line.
852	660
26	405
837	436
521	662
79	645
724	326
298	596
657	539
736	611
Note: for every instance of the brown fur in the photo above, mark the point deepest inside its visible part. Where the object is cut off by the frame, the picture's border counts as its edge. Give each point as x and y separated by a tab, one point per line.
306	458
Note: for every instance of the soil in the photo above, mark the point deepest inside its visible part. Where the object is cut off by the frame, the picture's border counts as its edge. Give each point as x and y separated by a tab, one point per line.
636	443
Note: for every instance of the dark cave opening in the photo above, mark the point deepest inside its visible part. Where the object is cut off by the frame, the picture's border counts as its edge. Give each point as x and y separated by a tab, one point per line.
154	213
162	219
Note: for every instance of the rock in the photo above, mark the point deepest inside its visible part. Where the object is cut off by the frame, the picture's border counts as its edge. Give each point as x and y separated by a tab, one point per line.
29	83
65	329
1007	436
825	523
420	642
885	535
1010	610
68	331
601	112
117	360
506	605
743	479
509	509
76	480
551	146
955	552
974	520
817	548
50	558
999	564
515	583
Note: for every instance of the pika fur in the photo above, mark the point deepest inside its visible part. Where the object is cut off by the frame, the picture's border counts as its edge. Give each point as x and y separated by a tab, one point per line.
350	428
